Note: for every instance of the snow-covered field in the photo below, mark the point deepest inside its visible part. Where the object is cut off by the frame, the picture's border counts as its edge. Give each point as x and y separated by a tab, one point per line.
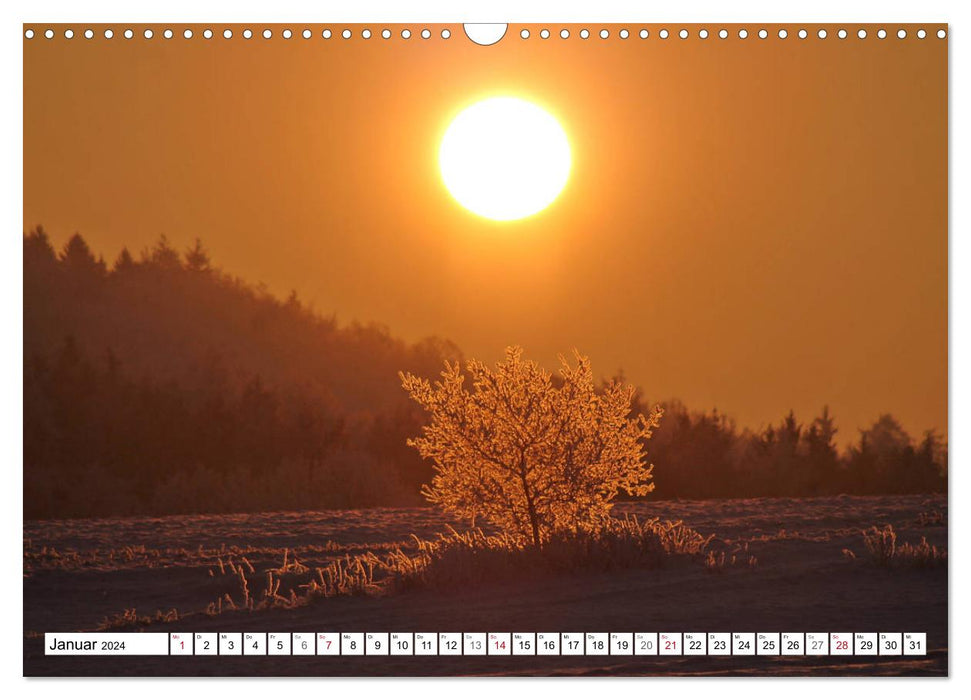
77	573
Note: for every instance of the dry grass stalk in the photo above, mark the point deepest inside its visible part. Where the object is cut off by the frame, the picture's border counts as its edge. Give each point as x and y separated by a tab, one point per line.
882	544
884	551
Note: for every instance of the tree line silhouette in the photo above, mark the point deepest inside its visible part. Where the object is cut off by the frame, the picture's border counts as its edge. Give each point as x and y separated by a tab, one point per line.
160	384
704	455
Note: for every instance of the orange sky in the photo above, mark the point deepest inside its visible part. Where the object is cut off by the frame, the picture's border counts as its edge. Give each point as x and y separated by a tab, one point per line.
756	225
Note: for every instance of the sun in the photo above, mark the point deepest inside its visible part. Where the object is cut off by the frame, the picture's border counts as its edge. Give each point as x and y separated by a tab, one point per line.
504	158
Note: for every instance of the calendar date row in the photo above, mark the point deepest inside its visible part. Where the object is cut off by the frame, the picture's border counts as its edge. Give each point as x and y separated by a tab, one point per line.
487	644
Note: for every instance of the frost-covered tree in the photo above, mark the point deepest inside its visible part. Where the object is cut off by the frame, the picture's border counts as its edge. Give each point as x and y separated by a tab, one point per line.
529	454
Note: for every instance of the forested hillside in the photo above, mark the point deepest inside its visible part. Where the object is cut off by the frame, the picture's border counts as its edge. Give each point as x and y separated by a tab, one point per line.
160	384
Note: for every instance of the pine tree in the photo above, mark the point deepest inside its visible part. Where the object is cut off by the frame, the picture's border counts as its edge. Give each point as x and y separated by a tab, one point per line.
197	258
163	256
124	262
77	258
38	249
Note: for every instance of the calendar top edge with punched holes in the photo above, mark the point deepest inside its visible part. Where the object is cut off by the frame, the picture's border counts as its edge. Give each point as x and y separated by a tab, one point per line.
363	348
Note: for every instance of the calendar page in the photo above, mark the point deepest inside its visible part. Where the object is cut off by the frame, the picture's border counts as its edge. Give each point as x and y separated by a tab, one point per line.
614	349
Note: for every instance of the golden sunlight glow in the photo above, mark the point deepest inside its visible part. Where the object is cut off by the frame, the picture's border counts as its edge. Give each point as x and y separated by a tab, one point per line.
504	158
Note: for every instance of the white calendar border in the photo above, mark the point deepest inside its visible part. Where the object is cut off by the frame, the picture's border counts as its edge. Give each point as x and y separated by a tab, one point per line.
496	10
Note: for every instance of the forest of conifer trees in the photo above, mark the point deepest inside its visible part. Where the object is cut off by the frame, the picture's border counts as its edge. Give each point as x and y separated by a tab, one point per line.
159	384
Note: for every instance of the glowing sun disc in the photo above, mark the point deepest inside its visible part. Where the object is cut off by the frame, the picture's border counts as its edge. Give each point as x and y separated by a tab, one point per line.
504	158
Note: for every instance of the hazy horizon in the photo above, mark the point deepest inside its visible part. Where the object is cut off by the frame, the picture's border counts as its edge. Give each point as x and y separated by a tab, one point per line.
754	244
